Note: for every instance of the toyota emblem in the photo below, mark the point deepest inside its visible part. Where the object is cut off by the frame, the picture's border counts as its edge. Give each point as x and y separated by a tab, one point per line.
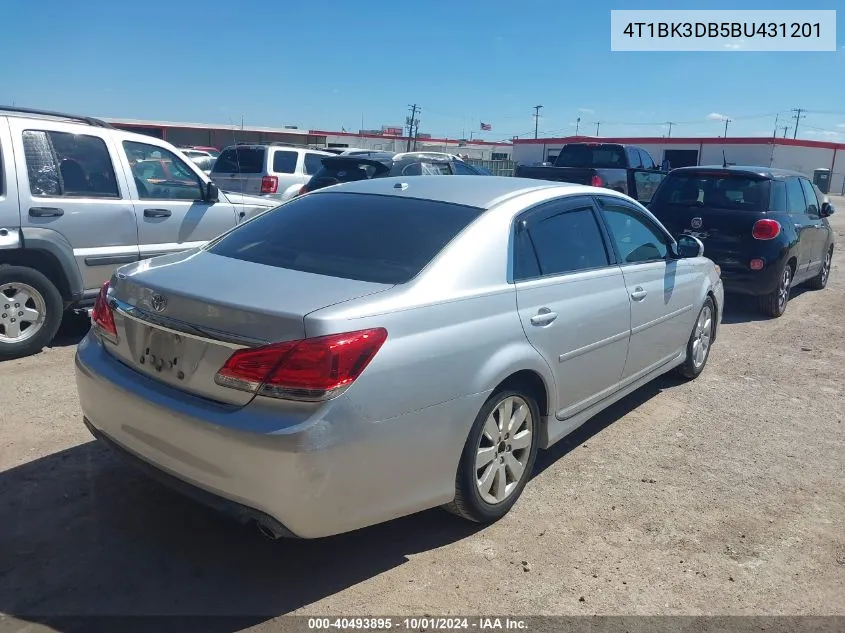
696	223
158	303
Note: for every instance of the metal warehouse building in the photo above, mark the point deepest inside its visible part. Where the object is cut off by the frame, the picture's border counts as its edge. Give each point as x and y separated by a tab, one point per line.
799	155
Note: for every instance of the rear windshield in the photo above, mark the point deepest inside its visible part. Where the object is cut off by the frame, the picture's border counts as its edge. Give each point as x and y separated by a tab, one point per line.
243	160
335	171
381	239
715	190
595	156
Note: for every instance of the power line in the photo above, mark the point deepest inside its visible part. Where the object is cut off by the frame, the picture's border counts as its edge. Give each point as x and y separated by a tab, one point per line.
536	118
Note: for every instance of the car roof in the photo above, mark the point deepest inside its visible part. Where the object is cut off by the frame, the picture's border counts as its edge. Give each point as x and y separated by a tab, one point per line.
472	191
763	172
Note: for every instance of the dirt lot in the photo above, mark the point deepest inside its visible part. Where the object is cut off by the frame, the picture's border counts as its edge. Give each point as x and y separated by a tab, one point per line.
725	495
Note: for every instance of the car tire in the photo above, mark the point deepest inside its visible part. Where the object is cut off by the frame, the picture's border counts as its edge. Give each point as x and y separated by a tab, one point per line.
700	340
470	501
39	306
820	281
774	303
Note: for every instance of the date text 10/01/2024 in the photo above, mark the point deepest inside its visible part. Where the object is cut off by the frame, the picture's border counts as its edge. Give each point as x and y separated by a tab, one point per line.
416	624
723	29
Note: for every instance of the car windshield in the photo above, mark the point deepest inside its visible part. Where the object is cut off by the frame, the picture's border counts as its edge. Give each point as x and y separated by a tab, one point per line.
714	189
381	239
241	160
598	155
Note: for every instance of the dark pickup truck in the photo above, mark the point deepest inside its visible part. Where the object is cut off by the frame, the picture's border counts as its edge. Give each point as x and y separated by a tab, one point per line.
625	168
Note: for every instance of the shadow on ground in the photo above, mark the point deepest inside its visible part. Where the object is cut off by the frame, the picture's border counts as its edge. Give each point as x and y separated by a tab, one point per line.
83	534
743	309
74	327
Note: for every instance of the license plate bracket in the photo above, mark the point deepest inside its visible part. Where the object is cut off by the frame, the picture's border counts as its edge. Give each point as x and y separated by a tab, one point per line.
162	351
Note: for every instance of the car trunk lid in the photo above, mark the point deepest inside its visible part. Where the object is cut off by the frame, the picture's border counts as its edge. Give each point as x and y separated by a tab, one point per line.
181	316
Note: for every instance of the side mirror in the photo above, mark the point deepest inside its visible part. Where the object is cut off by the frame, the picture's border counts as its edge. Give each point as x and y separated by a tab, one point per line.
665	166
212	193
827	210
689	246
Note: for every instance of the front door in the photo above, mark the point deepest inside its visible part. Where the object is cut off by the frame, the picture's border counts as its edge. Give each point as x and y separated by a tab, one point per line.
167	195
572	300
75	191
663	290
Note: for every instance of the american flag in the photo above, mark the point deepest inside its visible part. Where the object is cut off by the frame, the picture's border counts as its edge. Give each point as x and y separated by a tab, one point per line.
486	127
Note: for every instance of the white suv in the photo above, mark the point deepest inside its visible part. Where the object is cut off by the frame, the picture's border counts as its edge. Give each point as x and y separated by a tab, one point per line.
266	169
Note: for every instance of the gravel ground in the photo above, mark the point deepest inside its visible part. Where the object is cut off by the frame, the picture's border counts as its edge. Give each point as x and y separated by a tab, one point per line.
725	495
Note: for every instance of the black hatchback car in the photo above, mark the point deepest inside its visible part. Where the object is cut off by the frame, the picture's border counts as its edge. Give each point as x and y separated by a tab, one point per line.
766	228
339	169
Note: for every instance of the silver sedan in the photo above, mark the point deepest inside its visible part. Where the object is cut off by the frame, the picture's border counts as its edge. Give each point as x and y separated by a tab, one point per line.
381	347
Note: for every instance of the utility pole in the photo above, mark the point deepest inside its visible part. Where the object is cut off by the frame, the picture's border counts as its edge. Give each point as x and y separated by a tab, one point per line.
669	123
726	126
797	116
577	125
785	130
598	125
411	122
536	118
775	133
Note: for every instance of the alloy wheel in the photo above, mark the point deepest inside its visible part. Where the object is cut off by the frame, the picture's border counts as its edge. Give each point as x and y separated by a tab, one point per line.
702	337
503	449
826	267
783	289
23	312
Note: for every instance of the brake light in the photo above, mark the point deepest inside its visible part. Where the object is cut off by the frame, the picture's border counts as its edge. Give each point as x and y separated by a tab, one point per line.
311	369
765	229
596	181
102	316
269	184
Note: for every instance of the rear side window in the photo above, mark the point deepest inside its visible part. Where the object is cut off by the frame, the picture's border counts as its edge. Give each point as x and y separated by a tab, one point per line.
335	171
600	155
284	162
717	190
313	163
777	199
381	239
68	165
566	242
241	160
795	201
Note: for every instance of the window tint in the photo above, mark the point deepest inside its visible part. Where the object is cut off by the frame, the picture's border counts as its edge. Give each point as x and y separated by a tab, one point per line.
462	169
648	163
313	163
241	160
284	162
567	242
525	264
160	174
777	200
381	239
796	203
338	170
810	196
636	238
68	165
634	159
591	155
712	189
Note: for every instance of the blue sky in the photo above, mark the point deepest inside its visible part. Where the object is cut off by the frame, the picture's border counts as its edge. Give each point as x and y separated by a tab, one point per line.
334	63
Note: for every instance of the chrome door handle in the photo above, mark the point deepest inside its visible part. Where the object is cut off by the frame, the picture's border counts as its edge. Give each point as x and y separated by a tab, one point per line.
543	317
639	293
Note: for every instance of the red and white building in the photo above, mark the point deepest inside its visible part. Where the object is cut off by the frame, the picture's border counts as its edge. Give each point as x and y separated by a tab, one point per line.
795	154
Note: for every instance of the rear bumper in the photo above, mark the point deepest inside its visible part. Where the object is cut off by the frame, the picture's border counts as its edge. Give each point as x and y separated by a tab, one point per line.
751	282
316	472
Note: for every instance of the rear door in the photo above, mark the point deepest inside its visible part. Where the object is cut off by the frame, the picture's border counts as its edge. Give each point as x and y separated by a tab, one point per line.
663	290
171	214
76	189
240	169
804	226
818	244
563	270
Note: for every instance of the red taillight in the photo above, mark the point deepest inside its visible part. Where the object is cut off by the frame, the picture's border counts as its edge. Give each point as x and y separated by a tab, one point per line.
269	184
302	190
756	264
102	316
596	181
309	369
765	229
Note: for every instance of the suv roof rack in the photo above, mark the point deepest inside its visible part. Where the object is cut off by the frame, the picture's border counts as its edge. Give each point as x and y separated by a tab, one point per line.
59	115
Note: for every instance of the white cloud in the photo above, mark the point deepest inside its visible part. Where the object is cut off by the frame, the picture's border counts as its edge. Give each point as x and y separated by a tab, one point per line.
840	124
586	110
716	116
733	46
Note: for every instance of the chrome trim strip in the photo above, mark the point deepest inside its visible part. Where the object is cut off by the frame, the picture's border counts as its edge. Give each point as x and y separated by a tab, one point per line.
660	320
593	346
181	328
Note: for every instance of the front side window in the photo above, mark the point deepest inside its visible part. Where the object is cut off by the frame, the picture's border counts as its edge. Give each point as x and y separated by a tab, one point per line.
564	242
60	164
160	174
812	200
284	162
648	163
634	160
636	238
795	201
462	169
